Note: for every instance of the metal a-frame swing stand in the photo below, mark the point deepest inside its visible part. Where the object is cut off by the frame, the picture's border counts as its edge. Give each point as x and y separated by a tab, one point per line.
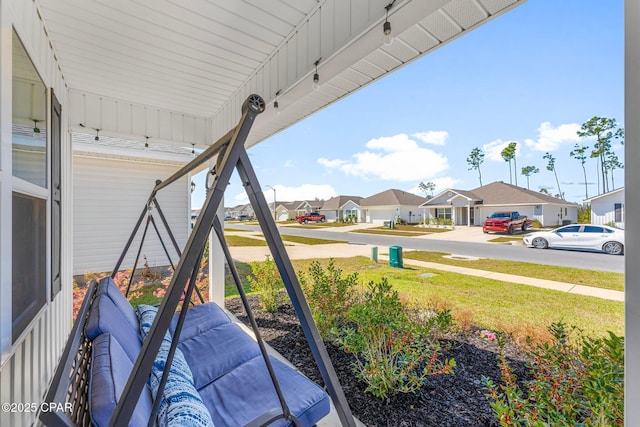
232	155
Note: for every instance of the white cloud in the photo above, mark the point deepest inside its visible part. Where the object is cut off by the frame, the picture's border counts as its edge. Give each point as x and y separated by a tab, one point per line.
550	138
400	142
433	137
493	149
394	158
289	164
290	194
331	164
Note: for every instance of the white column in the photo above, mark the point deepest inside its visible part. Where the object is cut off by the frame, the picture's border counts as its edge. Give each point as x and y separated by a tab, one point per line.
632	210
216	263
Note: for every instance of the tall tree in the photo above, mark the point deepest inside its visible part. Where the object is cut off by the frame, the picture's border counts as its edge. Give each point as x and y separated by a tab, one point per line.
551	166
528	171
427	189
605	130
579	153
509	155
475	159
612	163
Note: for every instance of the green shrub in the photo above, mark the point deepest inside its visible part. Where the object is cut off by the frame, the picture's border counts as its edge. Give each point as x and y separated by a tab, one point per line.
267	283
584	214
393	354
577	380
329	295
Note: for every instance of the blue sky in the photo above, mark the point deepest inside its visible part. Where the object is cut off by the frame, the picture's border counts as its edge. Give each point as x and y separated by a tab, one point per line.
532	75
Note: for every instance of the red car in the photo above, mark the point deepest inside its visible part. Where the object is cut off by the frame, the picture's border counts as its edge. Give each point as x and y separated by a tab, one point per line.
506	222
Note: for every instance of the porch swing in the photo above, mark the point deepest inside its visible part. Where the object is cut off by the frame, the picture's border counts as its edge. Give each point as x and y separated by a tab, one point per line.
103	376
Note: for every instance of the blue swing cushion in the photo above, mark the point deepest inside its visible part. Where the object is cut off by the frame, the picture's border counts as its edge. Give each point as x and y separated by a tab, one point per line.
180	404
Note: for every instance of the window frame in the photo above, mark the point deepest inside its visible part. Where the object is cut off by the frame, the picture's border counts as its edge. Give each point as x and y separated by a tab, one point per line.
23	187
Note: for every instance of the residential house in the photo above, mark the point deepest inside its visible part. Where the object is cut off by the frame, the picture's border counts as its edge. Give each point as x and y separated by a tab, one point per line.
608	208
391	205
472	207
342	208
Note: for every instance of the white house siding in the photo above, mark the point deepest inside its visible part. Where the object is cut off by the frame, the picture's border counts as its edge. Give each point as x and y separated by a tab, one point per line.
27	365
603	209
109	197
349	207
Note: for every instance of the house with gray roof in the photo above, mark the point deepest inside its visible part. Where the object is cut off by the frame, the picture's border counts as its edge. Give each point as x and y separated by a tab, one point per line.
391	205
342	208
472	207
608	208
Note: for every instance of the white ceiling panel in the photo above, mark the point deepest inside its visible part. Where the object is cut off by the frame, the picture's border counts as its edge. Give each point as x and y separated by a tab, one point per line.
199	59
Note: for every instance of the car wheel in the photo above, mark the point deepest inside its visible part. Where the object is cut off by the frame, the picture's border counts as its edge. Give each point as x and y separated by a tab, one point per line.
323	220
306	221
525	226
510	229
613	248
540	243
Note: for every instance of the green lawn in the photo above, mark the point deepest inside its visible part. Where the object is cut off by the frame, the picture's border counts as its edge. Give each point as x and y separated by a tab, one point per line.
506	239
598	279
309	240
235	230
492	304
244	241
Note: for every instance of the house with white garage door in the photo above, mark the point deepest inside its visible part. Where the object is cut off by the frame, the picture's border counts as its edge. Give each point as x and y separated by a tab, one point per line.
391	205
608	208
472	207
342	208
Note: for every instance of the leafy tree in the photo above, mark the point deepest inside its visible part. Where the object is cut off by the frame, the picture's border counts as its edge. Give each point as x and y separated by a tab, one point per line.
605	130
427	189
509	154
528	171
475	159
612	163
578	153
551	166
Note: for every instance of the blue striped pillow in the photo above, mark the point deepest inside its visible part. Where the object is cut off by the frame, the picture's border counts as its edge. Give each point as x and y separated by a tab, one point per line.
181	404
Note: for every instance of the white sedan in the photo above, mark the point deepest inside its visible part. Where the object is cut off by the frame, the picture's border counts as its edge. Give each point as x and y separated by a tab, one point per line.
579	236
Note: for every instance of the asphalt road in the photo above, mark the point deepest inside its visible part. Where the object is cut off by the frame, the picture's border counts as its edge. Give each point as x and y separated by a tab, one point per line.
577	259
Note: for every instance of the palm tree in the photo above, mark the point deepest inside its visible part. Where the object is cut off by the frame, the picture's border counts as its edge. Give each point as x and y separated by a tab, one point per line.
509	154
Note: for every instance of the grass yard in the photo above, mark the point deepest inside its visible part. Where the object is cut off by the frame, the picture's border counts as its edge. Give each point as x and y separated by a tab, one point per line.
598	279
518	309
309	240
506	239
244	241
235	230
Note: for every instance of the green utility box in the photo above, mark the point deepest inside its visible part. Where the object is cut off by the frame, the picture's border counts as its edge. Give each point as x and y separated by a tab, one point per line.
395	256
374	253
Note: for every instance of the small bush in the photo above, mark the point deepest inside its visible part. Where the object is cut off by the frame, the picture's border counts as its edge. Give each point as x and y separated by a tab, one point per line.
329	295
584	214
577	380
267	283
393	354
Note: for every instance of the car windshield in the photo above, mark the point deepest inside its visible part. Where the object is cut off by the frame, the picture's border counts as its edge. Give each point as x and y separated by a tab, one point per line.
501	215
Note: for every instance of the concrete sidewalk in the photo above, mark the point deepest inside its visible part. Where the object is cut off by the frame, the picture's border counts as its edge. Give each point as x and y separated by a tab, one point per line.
341	250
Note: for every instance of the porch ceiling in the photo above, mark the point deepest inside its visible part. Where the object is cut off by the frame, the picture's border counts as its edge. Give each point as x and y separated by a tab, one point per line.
203	57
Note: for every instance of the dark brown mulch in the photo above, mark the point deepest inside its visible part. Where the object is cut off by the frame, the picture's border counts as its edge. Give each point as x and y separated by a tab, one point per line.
447	400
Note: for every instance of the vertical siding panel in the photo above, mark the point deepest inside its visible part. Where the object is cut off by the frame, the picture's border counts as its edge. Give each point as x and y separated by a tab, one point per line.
109	114
304	62
314	41
327	28
138	120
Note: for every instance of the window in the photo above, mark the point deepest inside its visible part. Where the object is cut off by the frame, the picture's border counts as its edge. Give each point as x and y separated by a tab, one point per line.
569	229
593	229
443	213
618	212
30	197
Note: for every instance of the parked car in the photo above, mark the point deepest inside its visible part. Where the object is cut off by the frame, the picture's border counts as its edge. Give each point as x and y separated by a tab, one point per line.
506	222
579	236
313	217
228	217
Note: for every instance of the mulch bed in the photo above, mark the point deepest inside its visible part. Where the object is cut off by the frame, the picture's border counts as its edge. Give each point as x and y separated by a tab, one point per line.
447	400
